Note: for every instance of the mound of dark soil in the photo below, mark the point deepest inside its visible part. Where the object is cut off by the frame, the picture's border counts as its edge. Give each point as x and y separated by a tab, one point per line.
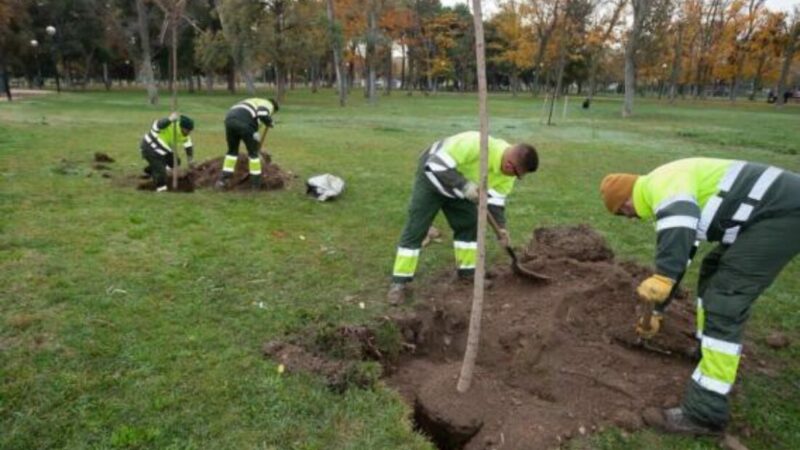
206	174
556	359
100	157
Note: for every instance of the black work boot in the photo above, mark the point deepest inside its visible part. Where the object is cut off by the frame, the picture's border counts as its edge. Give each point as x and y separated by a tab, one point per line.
222	183
399	293
255	182
674	420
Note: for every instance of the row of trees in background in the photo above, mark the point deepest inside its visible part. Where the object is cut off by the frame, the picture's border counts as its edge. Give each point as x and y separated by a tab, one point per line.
663	47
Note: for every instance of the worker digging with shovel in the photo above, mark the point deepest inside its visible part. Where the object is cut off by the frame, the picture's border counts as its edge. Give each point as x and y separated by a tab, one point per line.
447	179
242	124
753	211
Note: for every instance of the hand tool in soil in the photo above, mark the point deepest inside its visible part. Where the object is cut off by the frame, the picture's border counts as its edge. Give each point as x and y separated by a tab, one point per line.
515	265
648	313
255	183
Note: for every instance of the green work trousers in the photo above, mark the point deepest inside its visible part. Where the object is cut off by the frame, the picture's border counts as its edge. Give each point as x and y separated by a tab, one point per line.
426	201
236	131
731	279
158	166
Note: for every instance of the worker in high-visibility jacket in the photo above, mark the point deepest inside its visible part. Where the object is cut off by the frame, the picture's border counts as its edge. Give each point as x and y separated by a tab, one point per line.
753	211
242	124
158	147
447	179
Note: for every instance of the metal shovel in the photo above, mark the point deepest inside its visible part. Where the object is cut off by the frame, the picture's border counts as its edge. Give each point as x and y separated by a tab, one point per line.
515	266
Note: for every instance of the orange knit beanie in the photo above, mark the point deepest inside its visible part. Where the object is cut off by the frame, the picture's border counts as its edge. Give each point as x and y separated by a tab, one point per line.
616	189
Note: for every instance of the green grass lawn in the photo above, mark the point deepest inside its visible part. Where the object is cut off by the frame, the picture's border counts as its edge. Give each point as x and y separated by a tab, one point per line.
135	320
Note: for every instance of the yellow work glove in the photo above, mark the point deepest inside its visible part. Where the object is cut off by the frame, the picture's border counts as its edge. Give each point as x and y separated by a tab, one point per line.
655	325
655	289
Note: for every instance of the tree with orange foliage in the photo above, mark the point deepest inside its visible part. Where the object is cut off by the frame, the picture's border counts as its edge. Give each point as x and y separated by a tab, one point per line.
516	46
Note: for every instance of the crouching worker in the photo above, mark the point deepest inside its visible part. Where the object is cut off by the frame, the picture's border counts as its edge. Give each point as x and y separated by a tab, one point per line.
447	179
242	123
753	211
159	143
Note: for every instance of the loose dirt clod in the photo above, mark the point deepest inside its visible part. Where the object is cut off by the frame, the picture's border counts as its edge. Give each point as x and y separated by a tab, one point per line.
101	157
778	340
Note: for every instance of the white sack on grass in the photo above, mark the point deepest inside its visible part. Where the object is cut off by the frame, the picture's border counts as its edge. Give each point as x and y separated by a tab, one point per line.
324	186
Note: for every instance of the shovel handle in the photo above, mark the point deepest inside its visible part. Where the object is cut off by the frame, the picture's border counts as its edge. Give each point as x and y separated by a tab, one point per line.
263	138
494	225
647	314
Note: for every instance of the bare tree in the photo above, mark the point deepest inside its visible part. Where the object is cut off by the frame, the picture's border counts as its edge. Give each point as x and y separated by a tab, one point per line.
336	44
473	338
146	69
641	9
791	44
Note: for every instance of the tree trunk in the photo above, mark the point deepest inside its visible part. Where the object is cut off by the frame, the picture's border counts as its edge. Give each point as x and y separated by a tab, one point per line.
106	79
788	57
231	77
389	72
562	62
676	65
370	52
210	82
280	82
315	73
403	66
473	338
336	44
248	81
759	71
6	84
641	9
146	70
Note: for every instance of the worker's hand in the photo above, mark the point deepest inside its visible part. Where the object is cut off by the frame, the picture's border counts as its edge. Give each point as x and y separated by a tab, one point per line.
504	238
655	289
174	117
649	332
268	121
471	192
256	136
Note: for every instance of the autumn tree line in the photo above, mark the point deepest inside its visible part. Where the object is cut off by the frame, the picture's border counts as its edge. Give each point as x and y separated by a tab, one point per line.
668	48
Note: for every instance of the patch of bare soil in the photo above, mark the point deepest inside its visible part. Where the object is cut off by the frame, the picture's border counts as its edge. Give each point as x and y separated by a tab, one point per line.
556	360
206	174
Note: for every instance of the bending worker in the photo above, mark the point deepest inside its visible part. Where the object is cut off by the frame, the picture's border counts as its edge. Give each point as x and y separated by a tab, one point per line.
446	179
753	211
242	124
158	144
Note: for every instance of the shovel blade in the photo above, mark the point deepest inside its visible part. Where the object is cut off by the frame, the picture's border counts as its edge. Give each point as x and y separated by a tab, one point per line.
527	273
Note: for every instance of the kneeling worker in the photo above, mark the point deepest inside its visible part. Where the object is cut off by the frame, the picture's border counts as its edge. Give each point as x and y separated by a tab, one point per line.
242	124
158	144
447	179
753	211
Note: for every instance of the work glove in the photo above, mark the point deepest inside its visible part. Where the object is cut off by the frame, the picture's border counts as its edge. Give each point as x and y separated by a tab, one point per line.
655	326
655	289
504	238
257	136
471	192
268	121
174	117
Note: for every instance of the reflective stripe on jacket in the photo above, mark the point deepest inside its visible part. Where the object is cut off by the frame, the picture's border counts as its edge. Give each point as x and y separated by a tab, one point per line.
161	134
709	199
